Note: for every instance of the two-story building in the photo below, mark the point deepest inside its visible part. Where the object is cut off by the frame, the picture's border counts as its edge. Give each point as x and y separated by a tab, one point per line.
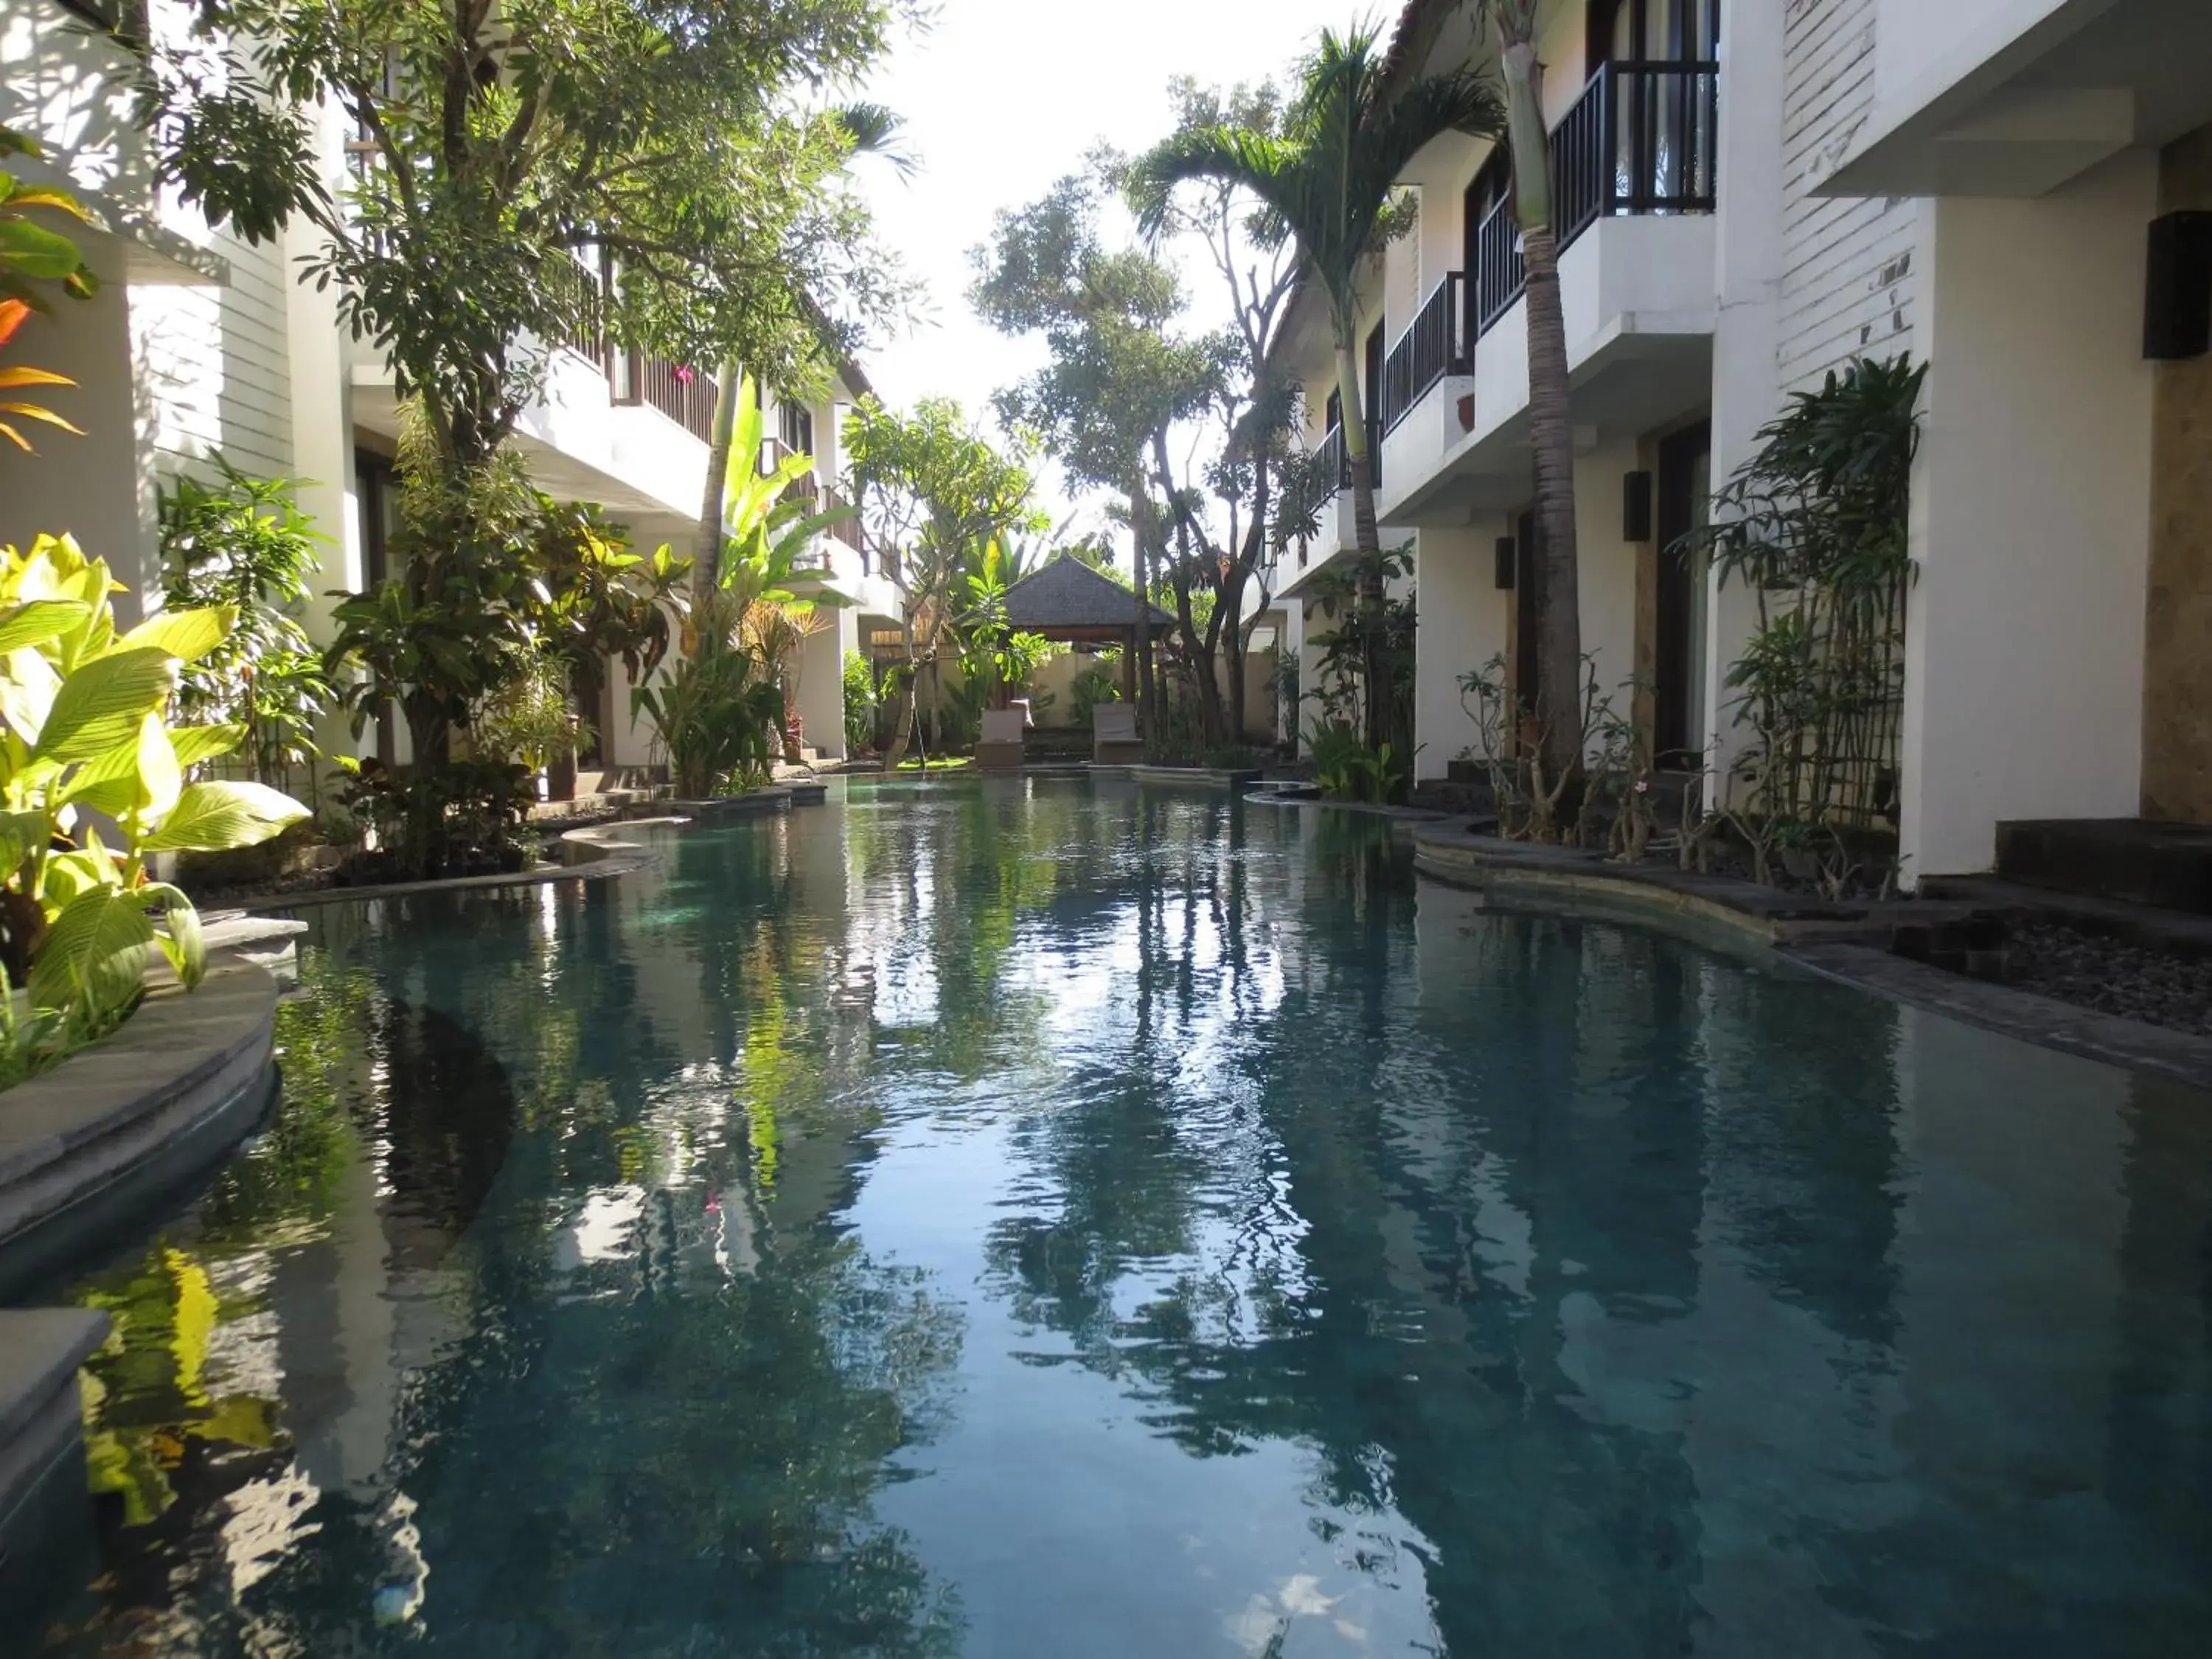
200	344
1749	196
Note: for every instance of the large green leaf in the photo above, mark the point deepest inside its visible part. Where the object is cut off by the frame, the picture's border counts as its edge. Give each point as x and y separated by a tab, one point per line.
20	835
96	953
33	251
214	818
28	685
102	703
160	779
39	622
190	635
195	743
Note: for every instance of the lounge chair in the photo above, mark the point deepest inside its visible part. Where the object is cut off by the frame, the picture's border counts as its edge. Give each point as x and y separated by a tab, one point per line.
1113	735
1000	747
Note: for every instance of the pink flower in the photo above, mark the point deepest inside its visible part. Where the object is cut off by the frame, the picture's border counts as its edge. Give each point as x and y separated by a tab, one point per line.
682	375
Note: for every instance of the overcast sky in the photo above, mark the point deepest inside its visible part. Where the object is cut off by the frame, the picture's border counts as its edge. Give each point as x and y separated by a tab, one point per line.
1001	97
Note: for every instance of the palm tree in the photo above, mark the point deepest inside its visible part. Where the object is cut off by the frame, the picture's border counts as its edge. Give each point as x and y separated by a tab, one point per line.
1559	605
1328	181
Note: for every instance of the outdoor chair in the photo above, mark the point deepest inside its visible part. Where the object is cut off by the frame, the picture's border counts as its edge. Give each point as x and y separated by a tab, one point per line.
1113	735
1000	747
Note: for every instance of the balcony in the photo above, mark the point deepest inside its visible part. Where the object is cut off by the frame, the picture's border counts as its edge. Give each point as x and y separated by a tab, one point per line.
1634	186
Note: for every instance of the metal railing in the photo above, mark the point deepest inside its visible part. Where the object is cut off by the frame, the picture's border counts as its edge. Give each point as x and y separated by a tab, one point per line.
846	530
1437	343
1642	140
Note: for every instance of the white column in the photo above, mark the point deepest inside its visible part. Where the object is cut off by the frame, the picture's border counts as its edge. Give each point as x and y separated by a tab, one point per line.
1748	265
822	686
2031	517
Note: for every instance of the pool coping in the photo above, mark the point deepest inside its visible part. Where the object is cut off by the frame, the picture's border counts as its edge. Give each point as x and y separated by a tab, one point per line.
1846	944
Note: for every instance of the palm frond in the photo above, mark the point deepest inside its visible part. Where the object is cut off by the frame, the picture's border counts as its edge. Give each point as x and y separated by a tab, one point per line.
1267	167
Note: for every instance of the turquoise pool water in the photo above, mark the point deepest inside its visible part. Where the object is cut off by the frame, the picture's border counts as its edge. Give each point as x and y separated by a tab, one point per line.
1018	1218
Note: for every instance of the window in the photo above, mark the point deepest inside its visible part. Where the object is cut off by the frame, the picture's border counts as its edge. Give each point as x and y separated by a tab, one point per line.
797	424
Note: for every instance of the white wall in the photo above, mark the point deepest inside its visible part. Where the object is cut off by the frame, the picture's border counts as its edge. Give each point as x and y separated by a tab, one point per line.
1847	286
1919	39
2030	518
1463	622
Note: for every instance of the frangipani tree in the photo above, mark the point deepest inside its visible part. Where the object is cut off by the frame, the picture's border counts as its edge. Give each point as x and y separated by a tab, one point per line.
934	494
1328	178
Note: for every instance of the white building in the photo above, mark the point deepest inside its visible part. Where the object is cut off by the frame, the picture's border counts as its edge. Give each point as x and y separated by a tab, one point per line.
199	343
1751	195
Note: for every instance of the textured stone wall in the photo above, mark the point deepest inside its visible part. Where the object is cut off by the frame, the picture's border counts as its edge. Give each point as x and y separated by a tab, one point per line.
2178	659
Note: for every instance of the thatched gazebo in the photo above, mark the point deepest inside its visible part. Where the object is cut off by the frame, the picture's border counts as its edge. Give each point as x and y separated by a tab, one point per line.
1071	603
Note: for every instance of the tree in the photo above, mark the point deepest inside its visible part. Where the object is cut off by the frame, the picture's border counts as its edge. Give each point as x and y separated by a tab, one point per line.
1120	374
1327	178
1253	408
1559	605
934	495
636	171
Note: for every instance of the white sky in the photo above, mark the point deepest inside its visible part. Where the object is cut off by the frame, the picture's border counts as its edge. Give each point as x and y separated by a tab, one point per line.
1001	97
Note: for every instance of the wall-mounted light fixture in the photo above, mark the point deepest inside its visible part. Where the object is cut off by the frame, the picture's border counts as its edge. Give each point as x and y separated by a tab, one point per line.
2178	296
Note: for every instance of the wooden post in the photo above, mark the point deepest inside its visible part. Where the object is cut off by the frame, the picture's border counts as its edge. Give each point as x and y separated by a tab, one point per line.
1129	669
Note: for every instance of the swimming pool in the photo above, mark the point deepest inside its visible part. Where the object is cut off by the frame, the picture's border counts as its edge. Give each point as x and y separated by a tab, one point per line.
1025	1217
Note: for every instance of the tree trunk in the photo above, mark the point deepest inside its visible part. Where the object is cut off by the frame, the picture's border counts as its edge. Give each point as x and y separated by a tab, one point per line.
1374	666
902	714
1141	532
706	571
1558	604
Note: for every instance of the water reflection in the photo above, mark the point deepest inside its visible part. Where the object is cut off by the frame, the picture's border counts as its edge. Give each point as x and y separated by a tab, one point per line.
1015	1217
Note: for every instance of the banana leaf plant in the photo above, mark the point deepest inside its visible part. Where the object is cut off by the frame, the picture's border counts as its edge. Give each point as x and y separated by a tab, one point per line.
93	781
768	528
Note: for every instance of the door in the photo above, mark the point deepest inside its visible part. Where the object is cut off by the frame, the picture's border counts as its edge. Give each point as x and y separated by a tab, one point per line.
1680	722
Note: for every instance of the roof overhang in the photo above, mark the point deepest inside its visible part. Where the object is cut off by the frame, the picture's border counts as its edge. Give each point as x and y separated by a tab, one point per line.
2037	94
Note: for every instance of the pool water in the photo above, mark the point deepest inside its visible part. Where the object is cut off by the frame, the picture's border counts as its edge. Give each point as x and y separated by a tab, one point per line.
1040	1217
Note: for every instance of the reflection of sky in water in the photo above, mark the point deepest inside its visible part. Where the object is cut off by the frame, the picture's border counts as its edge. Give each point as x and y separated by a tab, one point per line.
1004	1218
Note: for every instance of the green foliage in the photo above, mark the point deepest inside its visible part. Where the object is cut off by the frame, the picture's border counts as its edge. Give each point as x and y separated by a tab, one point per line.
1366	634
1816	526
243	543
528	721
768	531
861	703
1347	769
714	715
601	599
499	142
83	731
1098	681
463	818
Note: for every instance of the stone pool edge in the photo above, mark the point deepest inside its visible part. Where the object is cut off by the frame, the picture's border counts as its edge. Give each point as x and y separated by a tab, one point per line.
115	1126
1845	944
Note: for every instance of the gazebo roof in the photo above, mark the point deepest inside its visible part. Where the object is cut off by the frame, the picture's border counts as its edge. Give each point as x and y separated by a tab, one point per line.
1068	596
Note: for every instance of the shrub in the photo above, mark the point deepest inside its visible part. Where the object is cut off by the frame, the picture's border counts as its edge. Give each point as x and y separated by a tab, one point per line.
85	739
463	818
861	705
244	543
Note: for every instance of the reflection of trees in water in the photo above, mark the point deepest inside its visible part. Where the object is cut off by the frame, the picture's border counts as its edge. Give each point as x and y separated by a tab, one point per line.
673	1466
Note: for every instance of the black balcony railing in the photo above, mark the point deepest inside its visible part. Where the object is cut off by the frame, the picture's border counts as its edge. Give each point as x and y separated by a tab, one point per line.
1642	140
1435	344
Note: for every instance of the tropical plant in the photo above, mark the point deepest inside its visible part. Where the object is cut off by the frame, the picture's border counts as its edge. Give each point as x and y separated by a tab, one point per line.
1816	527
1001	657
600	602
713	712
775	633
1098	681
934	494
1327	178
861	703
462	818
84	735
34	256
528	721
244	543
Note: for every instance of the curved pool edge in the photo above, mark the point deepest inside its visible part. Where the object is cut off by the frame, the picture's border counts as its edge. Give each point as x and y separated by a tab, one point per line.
83	1148
1845	945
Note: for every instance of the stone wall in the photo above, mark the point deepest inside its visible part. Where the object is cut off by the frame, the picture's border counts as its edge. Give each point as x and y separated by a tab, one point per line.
2178	647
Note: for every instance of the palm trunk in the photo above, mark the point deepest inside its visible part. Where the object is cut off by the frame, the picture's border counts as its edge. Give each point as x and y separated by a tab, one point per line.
706	571
1559	602
1375	667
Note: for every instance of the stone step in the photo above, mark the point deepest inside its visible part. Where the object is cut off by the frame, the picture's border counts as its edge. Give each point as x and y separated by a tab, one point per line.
2135	860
